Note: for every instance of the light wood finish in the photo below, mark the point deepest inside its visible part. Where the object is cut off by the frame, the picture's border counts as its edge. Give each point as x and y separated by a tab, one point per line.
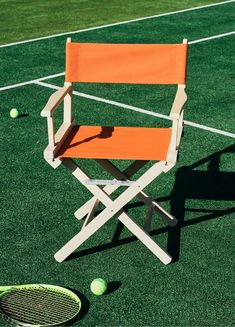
112	208
142	196
179	101
55	99
58	139
109	189
55	140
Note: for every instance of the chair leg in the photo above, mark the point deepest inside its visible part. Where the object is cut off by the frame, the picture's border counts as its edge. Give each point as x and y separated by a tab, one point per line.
112	208
167	217
109	189
90	215
85	208
99	221
83	235
148	219
116	173
144	237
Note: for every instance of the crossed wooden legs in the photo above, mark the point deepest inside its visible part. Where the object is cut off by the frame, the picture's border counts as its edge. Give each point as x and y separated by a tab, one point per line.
93	223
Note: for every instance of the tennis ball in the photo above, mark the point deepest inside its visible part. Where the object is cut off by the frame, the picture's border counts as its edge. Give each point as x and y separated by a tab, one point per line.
14	113
98	286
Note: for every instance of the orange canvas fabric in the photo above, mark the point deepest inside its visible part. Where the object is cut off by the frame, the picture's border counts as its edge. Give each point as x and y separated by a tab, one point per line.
126	63
130	143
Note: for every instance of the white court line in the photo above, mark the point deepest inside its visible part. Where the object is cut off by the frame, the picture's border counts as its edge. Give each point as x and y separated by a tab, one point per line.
144	111
119	23
30	82
211	37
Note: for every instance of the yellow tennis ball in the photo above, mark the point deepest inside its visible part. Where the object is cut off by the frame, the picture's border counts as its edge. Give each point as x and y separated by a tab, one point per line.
14	113
98	286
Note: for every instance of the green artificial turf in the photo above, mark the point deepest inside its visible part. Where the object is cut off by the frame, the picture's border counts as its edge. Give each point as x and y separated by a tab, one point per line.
37	218
21	20
37	202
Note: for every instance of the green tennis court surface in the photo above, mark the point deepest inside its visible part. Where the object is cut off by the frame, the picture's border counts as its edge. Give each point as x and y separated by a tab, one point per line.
37	202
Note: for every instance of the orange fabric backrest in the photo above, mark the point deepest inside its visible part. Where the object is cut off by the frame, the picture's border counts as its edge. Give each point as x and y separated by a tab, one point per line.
126	63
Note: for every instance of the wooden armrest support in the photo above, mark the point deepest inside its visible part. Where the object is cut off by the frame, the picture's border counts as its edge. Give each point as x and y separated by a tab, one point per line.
54	100
176	115
60	137
179	102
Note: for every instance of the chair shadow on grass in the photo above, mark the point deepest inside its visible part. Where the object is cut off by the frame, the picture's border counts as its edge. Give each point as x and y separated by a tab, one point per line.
190	183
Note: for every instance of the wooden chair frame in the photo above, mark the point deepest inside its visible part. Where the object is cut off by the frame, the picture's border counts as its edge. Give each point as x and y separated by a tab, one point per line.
102	189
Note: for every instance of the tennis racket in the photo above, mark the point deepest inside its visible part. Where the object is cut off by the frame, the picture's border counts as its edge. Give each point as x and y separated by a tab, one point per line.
38	305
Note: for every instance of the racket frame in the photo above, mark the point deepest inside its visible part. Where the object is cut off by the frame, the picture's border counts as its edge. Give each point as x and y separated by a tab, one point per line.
59	289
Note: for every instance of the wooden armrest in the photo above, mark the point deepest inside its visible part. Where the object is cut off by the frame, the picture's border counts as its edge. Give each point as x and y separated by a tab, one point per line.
54	100
178	103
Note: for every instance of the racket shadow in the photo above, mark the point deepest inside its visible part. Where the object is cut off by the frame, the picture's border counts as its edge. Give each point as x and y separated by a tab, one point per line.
84	308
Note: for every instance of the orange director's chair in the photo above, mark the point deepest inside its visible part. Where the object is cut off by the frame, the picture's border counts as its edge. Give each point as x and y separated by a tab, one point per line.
118	63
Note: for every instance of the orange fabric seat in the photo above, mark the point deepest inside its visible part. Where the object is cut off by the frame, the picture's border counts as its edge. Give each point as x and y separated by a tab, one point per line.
130	143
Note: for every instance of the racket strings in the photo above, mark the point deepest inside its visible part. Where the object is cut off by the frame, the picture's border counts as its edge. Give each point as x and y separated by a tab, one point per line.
39	306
